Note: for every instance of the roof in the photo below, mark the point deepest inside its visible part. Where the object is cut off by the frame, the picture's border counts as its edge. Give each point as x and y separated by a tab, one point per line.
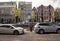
6	24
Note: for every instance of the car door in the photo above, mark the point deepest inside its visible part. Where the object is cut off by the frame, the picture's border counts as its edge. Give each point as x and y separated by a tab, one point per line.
53	28
2	29
47	27
8	29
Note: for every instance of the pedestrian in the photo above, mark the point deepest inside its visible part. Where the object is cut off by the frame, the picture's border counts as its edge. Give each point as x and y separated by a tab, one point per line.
31	27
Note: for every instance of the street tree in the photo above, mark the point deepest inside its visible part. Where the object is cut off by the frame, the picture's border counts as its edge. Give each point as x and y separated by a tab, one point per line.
16	12
32	19
54	16
32	15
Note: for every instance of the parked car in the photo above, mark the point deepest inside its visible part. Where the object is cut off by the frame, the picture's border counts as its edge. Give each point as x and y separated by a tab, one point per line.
8	28
46	27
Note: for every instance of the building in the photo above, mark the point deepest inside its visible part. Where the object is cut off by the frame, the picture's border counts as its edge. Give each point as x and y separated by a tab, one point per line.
26	8
44	13
6	12
35	11
58	14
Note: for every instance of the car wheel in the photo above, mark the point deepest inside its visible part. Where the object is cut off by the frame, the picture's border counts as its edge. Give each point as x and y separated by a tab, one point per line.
41	31
58	31
16	33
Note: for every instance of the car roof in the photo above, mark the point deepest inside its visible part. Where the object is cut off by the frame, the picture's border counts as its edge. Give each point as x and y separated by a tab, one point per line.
44	23
7	24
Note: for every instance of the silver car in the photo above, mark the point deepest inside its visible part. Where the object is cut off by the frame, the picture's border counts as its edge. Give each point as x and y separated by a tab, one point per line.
46	27
8	28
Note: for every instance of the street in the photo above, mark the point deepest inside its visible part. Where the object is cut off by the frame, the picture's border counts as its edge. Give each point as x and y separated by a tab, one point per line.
30	36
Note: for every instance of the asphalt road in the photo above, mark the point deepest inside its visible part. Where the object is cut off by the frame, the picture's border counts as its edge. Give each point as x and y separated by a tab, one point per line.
30	36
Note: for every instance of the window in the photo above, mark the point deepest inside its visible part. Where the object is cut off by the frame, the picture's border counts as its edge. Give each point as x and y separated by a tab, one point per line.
5	26
16	25
58	24
45	24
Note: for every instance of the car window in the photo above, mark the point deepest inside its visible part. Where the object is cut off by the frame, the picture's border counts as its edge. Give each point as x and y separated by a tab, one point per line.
16	25
5	26
45	24
58	24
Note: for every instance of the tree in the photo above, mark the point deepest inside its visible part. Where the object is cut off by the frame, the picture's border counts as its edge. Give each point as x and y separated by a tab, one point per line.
32	15
54	16
16	12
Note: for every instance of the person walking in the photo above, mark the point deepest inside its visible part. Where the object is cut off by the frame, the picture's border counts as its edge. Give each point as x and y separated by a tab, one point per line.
31	27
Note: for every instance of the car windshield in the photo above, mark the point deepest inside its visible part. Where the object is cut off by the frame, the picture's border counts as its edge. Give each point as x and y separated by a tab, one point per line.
16	25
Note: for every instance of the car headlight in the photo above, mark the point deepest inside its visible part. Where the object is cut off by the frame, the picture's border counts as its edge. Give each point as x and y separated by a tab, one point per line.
20	29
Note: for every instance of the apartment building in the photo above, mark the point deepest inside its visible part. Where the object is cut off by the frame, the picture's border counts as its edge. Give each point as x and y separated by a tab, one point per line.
44	13
6	12
26	8
58	14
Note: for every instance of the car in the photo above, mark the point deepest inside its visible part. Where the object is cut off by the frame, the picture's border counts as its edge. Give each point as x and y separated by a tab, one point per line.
8	28
46	27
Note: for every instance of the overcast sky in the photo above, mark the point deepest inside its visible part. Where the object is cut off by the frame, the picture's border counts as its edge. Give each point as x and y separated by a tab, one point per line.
37	3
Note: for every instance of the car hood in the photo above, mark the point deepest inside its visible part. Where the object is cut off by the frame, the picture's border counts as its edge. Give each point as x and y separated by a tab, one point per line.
18	28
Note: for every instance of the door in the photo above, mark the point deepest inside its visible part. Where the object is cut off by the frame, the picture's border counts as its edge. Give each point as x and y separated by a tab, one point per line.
10	29
2	29
53	28
47	27
6	29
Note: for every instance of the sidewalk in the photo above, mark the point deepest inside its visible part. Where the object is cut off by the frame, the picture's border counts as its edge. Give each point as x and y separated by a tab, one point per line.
27	30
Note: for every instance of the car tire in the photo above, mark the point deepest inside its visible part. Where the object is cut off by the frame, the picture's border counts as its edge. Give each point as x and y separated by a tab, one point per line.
16	33
58	31
41	31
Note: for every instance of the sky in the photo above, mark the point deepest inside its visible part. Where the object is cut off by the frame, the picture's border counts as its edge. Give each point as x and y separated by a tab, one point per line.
36	3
